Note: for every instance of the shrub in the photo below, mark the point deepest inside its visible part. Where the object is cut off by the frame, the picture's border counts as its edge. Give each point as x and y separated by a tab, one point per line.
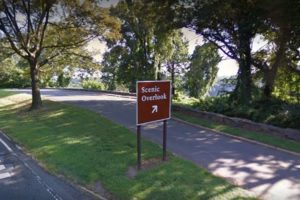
275	112
63	80
15	78
92	85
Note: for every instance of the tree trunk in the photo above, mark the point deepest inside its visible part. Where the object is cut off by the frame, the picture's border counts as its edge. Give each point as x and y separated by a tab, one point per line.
269	76
243	89
158	75
271	72
36	94
173	78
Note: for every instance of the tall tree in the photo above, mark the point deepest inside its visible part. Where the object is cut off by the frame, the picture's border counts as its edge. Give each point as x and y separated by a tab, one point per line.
112	62
178	59
202	70
231	26
145	28
39	31
282	20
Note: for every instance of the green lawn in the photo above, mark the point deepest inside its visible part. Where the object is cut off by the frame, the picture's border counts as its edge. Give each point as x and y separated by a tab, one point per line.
4	93
260	137
87	148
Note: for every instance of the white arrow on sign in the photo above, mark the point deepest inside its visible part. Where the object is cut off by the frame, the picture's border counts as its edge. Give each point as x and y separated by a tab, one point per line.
154	108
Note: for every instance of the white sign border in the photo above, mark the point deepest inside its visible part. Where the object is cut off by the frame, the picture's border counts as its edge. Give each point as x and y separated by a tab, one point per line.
170	99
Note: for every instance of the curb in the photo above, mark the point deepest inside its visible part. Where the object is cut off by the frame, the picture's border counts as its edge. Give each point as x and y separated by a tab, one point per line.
236	137
79	187
128	94
243	123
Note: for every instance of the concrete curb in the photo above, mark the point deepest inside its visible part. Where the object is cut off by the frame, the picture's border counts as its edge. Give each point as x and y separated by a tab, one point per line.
237	137
99	91
285	133
79	187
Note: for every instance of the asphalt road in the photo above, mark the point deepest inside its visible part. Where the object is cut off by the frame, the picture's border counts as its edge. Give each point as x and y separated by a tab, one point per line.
271	174
22	179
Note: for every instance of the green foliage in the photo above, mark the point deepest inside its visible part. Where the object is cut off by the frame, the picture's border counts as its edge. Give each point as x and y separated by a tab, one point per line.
177	60
202	70
145	46
50	33
287	86
231	26
275	112
12	75
92	84
63	81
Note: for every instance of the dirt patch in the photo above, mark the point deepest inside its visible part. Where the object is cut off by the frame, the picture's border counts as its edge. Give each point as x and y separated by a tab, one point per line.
100	191
146	165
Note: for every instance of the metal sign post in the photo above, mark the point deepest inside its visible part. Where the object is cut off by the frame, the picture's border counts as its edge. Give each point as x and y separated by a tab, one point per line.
165	141
139	160
153	105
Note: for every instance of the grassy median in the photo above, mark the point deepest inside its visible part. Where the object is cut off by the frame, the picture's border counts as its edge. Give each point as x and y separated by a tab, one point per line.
87	148
256	136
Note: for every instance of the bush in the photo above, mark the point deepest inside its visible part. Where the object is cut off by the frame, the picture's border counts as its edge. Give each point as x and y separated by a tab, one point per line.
92	85
275	112
14	79
63	80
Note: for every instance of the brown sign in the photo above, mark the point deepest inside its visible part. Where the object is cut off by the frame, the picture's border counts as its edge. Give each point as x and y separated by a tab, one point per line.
153	101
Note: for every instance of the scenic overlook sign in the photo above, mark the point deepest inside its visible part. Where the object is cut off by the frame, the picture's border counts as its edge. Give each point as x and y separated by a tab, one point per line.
153	101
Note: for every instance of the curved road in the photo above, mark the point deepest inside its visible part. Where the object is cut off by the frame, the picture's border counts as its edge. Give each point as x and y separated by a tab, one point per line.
270	174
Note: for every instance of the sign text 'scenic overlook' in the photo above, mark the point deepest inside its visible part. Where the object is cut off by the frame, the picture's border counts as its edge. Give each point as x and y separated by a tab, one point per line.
154	97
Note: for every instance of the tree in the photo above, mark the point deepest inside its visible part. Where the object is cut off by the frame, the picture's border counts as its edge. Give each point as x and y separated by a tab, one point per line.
145	28
282	20
231	26
111	63
178	59
202	70
39	31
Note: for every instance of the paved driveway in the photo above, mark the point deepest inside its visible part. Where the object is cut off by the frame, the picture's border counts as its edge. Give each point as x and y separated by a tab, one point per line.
271	174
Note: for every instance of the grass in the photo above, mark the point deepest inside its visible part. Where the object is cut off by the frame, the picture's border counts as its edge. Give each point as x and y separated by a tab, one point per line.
5	93
87	148
256	136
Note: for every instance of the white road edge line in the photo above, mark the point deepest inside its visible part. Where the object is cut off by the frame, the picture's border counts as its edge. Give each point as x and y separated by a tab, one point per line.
18	147
48	189
42	183
6	146
6	136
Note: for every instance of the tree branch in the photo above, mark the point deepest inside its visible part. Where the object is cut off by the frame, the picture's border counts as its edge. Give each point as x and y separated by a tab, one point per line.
12	44
75	44
40	47
11	18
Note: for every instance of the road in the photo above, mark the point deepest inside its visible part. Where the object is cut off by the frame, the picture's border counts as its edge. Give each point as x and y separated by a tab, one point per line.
22	179
271	174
